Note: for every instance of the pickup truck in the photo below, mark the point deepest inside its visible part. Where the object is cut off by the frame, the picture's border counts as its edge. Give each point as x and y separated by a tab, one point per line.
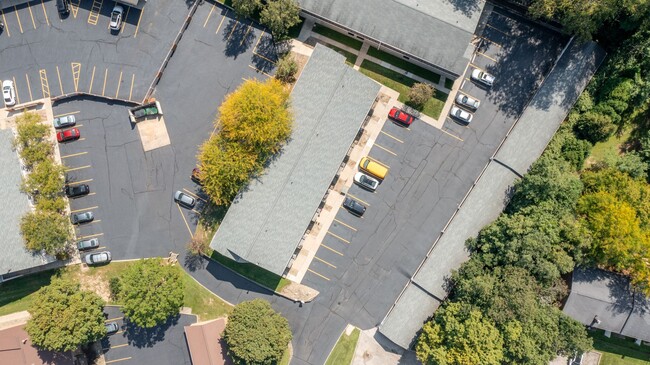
145	110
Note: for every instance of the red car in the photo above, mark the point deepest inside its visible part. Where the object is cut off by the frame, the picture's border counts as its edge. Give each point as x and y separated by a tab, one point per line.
68	135
400	116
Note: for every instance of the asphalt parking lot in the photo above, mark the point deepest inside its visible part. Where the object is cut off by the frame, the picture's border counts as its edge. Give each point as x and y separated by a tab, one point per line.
164	344
363	263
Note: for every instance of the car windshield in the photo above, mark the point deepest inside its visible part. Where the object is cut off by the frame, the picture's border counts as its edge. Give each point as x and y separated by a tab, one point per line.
464	99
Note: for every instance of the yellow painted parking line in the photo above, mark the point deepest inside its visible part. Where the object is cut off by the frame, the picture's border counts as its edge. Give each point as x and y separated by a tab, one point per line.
355	198
451	135
76	70
208	18
117	346
45	13
486	56
325	262
221	22
64	114
233	28
105	77
113	319
29	87
4	20
118	332
491	41
81	210
31	14
91	194
246	34
393	137
184	220
317	274
20	25
331	249
266	58
122	359
119	82
73	155
81	139
77	168
339	237
476	67
131	90
195	211
468	95
258	42
138	26
385	149
346	225
16	89
79	182
126	16
379	162
90	236
92	78
194	195
93	16
59	76
251	66
74	4
495	28
99	248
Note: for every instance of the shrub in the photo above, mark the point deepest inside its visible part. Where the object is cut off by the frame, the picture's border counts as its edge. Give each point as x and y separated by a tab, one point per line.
286	69
594	127
419	94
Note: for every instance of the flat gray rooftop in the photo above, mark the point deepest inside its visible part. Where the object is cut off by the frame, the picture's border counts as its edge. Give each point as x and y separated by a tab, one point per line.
267	220
436	31
14	257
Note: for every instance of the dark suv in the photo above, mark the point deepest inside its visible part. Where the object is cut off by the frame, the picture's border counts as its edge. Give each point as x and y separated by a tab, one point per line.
354	206
77	191
63	7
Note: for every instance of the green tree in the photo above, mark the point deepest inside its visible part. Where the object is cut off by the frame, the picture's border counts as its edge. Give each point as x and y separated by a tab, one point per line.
45	181
279	16
459	335
419	94
225	168
45	230
31	139
256	334
246	8
633	164
594	126
150	292
65	317
286	68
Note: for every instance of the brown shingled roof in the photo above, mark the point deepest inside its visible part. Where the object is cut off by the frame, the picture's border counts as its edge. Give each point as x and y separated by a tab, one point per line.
205	343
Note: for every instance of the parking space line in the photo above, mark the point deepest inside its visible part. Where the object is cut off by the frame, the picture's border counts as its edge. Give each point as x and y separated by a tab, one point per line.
74	155
208	18
116	346
131	90
266	58
31	14
94	12
233	29
77	168
339	237
64	114
393	137
331	249
451	135
122	359
184	220
317	274
29	87
81	210
75	7
246	34
354	197
251	66
76	70
346	225
45	13
476	67
325	262
126	16
92	78
486	56
105	76
221	22
491	41
258	42
90	236
91	194
495	28
20	25
59	76
79	182
4	20
194	195
195	211
16	89
385	149
113	319
119	82
138	25
466	94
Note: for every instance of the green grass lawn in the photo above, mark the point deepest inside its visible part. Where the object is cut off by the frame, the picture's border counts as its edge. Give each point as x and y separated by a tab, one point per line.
402	84
350	58
203	303
285	358
343	351
404	65
253	272
619	351
608	150
339	37
17	295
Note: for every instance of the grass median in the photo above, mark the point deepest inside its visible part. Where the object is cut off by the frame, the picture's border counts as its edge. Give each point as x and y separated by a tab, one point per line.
404	65
339	37
619	351
343	351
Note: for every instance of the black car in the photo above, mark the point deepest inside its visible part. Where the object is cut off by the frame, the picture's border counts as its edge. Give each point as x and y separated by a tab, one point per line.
77	191
354	206
63	7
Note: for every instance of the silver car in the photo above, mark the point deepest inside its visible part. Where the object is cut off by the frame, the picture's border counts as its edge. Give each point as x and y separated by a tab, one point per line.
366	181
483	77
65	121
98	258
85	217
9	92
116	17
88	244
460	114
467	101
184	199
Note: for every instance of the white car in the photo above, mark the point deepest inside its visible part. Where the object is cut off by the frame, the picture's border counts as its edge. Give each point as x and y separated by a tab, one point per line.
366	181
467	101
460	114
483	77
116	17
9	92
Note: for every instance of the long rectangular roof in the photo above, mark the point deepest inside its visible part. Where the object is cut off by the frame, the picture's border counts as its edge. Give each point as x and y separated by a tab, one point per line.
436	31
14	256
267	220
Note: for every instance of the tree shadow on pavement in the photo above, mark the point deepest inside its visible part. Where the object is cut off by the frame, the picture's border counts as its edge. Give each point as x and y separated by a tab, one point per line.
147	337
238	37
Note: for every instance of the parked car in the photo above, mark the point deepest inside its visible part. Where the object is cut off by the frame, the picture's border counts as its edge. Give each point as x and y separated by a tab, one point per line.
196	176
116	17
184	199
63	7
577	359
401	116
79	218
88	244
77	191
373	167
97	258
9	92
354	206
467	101
482	77
111	327
68	135
64	122
366	181
460	114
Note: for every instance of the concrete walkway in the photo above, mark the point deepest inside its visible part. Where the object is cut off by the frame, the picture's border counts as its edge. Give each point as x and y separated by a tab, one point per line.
14	319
